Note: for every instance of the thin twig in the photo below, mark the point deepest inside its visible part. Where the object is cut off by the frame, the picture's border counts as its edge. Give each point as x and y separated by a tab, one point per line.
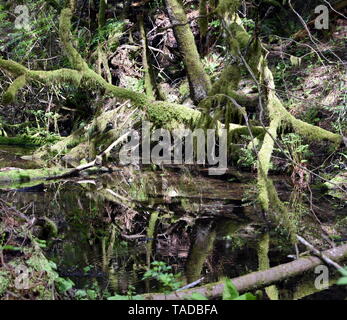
319	253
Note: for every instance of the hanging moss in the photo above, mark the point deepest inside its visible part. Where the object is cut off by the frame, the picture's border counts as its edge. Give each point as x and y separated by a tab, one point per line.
102	13
227	7
65	36
150	235
254	56
10	94
228	80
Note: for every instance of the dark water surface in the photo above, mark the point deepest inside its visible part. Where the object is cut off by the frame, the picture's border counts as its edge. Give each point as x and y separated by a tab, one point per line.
112	226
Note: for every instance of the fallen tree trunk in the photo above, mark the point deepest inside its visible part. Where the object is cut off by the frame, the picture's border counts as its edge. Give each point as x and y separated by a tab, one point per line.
256	280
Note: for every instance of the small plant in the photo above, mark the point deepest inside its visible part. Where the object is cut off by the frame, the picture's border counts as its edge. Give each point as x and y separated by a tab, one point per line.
247	158
162	273
211	63
311	116
294	147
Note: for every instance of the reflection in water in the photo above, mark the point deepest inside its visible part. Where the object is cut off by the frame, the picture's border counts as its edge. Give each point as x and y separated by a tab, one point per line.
202	245
264	262
112	227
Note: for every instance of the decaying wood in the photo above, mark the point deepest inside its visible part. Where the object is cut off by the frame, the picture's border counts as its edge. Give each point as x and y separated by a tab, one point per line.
257	280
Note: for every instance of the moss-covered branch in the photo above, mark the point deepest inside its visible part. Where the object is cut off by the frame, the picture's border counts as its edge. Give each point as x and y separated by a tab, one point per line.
149	85
199	81
11	92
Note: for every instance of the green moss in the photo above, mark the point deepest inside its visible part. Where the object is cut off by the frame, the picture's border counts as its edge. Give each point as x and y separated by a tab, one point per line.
19	185
170	115
184	89
312	132
198	254
10	94
228	80
102	12
149	83
264	263
240	37
151	234
65	36
51	227
4	281
227	7
25	140
19	140
30	174
13	67
60	76
199	81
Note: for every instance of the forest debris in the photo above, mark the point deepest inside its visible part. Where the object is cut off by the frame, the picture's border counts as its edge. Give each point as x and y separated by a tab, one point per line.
258	279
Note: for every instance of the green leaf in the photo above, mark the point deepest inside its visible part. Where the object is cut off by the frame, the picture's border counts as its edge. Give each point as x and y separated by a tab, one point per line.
343	272
12	248
64	284
342	281
118	297
246	296
87	269
230	292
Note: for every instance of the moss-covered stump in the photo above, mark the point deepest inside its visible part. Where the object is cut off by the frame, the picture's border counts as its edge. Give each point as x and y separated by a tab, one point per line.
21	175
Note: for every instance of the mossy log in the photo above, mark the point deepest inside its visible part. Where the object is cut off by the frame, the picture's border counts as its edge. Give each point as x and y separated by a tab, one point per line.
26	175
256	280
22	140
